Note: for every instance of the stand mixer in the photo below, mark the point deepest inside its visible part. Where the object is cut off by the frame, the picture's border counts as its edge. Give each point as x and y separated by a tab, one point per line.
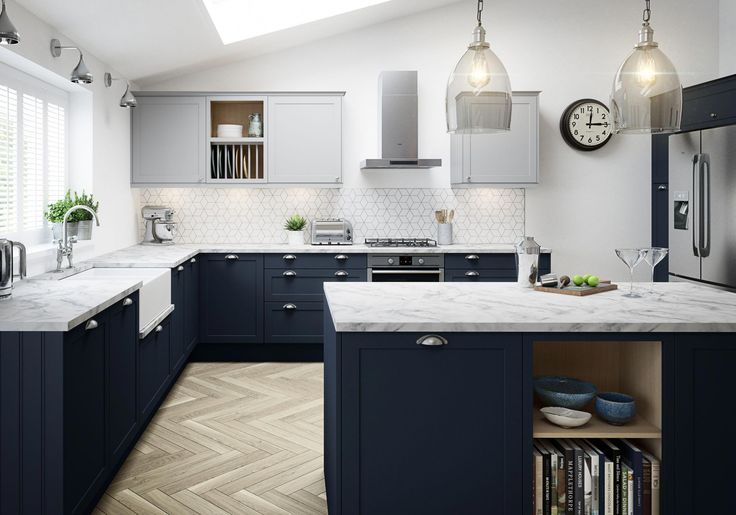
160	225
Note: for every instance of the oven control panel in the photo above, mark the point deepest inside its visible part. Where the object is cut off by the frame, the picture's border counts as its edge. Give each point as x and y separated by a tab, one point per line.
407	261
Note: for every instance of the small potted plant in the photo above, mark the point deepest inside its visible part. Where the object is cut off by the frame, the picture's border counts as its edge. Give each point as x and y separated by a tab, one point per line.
82	217
295	229
55	214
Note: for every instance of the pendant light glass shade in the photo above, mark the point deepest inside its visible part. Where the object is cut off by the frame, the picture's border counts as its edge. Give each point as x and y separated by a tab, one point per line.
647	92
479	90
8	34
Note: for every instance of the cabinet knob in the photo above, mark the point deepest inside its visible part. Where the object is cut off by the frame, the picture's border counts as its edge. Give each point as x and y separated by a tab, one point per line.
341	273
468	179
662	187
341	257
289	307
232	257
289	257
91	324
472	257
193	260
127	301
180	268
432	340
159	328
714	115
472	273
289	273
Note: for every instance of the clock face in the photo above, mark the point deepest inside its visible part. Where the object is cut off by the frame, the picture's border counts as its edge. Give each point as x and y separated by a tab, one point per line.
586	125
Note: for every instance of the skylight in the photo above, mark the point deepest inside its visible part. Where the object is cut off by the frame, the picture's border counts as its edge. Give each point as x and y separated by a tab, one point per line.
236	20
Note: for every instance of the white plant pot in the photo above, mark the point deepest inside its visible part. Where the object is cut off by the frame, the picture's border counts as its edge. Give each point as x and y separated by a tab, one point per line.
295	237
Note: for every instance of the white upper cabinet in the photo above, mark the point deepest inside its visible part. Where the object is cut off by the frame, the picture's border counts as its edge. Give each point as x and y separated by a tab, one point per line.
304	139
169	140
509	158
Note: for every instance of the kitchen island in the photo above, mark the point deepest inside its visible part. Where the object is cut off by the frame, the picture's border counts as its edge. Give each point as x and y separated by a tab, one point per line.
428	390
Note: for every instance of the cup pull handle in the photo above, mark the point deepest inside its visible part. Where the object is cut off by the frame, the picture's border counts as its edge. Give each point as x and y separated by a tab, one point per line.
91	324
180	268
289	273
341	257
193	260
472	273
127	301
472	257
159	328
432	340
289	307
232	257
289	257
341	273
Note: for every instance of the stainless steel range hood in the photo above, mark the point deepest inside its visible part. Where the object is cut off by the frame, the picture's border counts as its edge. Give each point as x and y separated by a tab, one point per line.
398	124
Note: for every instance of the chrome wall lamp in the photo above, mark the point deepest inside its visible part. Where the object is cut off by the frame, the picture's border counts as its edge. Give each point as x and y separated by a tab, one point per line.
8	34
127	100
80	73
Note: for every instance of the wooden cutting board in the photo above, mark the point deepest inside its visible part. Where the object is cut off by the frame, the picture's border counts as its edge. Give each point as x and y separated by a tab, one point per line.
578	291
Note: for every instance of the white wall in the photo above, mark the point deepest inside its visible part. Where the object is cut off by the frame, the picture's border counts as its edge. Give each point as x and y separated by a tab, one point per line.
587	203
727	34
101	157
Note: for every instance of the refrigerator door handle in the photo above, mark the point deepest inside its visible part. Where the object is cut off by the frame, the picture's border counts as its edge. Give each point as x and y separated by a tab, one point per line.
695	201
704	205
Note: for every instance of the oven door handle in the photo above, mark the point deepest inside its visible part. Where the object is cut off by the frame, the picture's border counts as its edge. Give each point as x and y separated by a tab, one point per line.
379	271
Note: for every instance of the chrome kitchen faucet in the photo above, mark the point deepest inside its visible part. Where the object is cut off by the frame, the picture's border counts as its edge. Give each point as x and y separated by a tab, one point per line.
66	244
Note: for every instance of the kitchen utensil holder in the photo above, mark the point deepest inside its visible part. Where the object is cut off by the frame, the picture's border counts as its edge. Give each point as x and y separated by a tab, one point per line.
444	234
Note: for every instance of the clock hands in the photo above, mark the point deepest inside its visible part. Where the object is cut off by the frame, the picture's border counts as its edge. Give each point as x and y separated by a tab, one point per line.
590	121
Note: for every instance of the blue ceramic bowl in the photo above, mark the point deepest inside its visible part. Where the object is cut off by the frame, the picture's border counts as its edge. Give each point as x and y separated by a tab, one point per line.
615	408
565	392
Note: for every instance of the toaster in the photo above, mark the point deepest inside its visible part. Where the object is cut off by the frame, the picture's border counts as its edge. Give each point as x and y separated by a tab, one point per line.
332	231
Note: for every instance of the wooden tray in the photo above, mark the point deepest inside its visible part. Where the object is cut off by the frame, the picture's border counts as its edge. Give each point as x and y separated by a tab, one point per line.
579	291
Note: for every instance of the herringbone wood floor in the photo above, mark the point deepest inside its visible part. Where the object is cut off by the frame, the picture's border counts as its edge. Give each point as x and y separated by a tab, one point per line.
229	438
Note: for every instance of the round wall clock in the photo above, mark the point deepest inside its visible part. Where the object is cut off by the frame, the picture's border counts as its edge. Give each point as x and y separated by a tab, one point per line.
586	124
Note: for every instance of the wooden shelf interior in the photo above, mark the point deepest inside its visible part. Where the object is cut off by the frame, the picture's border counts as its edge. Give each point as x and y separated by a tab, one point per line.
234	112
633	368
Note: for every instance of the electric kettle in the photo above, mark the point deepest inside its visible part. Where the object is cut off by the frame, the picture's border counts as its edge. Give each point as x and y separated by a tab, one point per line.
6	265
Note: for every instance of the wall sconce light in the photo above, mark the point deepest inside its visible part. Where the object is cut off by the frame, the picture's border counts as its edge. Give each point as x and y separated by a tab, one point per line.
8	34
80	73
127	100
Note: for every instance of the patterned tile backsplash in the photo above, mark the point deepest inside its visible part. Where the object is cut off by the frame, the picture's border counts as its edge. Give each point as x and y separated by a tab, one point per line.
240	215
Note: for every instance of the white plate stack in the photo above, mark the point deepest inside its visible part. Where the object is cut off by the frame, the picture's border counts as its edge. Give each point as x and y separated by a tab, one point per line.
229	131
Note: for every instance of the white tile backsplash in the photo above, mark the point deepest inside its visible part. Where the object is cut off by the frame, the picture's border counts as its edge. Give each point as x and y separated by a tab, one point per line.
245	215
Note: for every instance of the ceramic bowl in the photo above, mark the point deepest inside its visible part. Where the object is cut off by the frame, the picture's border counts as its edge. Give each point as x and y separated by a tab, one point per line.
615	408
566	418
564	392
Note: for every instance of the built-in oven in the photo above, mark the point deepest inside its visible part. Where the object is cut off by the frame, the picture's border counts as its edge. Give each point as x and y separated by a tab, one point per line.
422	268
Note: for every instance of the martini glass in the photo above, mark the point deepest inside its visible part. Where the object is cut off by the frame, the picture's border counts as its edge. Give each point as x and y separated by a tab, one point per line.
653	256
631	258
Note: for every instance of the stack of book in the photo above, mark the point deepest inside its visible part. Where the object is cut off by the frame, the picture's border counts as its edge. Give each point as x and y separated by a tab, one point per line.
594	477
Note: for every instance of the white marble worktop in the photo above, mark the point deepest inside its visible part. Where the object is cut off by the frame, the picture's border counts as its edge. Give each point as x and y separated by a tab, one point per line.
45	305
506	307
147	256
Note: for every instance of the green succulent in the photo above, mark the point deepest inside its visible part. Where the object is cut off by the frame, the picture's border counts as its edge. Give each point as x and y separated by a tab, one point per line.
295	223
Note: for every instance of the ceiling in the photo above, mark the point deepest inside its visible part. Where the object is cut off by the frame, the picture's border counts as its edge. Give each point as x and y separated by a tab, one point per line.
151	40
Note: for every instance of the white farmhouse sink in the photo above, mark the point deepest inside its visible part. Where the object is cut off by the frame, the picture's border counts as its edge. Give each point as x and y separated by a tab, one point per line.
154	297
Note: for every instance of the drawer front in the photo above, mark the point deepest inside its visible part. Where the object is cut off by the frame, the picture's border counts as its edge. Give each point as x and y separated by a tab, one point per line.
472	261
703	108
331	260
294	322
480	276
153	367
299	285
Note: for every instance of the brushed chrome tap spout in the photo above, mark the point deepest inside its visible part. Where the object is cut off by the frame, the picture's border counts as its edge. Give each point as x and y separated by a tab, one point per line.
66	244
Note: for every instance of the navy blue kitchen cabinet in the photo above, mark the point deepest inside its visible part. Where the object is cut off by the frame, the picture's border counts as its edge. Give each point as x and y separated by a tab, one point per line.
177	346
232	298
293	322
191	304
338	260
154	353
388	400
293	285
122	349
497	267
709	104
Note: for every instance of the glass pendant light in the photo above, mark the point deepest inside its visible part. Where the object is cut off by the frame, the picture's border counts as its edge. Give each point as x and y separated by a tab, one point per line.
479	91
647	93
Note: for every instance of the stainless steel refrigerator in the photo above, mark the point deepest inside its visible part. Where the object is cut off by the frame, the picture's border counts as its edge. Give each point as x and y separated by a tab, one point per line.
702	220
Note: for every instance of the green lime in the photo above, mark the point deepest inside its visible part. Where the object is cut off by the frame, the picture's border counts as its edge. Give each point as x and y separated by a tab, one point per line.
586	277
593	280
578	280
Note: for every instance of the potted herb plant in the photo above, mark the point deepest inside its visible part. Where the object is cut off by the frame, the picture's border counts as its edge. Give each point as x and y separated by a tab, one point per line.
295	229
55	214
82	217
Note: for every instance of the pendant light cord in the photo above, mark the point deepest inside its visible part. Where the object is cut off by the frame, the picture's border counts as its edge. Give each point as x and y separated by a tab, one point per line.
647	12
480	11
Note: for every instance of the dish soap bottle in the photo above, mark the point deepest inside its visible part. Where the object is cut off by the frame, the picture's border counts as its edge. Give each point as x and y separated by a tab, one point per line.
527	262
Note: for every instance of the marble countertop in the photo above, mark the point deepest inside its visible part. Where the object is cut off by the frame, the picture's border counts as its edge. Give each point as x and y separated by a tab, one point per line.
47	305
505	307
169	256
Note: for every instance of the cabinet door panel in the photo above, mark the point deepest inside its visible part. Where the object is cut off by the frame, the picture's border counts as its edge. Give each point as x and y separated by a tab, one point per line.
191	304
153	367
337	260
306	284
480	276
169	140
698	442
432	430
300	324
305	139
84	415
121	394
232	299
177	345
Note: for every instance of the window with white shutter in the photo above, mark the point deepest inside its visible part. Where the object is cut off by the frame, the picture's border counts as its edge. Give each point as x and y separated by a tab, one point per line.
33	153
